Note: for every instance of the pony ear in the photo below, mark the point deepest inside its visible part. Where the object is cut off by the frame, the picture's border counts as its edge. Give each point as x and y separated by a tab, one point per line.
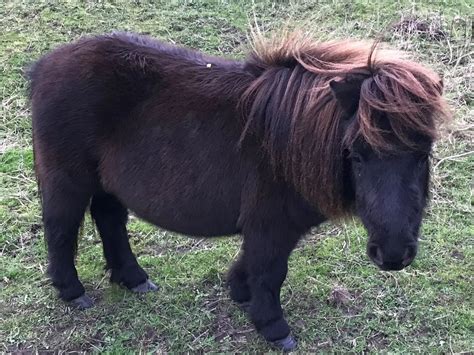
347	93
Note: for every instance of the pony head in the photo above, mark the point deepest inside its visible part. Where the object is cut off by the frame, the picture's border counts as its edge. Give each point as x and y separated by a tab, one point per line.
351	127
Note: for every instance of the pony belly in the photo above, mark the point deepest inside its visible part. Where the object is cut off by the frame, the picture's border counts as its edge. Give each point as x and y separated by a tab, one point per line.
188	195
187	209
193	218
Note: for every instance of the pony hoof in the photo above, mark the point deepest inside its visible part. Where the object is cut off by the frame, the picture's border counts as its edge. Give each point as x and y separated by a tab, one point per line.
82	302
286	344
147	286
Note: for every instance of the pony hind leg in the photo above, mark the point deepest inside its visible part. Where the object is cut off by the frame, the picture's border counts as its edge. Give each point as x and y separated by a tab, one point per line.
110	217
64	203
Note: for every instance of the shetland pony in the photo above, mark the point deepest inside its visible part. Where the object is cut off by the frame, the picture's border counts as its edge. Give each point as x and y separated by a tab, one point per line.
298	133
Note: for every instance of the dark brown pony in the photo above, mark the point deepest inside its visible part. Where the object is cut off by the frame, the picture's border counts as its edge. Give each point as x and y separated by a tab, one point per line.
299	133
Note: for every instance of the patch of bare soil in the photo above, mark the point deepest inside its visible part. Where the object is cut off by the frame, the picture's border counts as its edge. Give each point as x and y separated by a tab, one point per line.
430	29
349	301
223	328
340	297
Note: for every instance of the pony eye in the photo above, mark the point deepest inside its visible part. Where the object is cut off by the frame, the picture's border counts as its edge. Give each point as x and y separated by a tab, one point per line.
356	158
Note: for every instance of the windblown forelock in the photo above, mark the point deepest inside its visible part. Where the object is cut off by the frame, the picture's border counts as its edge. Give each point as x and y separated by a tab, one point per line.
291	109
410	97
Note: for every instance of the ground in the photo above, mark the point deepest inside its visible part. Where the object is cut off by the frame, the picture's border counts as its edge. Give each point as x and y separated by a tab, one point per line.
334	298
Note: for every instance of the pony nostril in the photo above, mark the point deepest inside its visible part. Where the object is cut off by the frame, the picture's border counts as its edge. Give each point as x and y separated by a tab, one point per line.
375	253
409	255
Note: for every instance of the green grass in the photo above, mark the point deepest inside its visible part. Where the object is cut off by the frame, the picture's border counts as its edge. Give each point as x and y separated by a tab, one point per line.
425	308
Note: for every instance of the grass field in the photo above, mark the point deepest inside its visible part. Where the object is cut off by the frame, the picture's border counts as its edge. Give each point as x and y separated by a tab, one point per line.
428	307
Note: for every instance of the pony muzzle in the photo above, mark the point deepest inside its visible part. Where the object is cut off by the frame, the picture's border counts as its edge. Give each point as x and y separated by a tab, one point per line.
391	259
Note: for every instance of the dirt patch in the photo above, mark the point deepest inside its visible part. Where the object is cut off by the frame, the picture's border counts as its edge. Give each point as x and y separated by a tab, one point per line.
223	328
457	254
430	29
150	339
340	297
348	301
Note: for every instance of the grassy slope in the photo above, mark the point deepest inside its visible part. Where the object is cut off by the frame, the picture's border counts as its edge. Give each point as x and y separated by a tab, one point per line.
427	307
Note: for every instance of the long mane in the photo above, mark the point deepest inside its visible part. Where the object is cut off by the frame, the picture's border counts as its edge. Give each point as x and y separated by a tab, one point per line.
290	106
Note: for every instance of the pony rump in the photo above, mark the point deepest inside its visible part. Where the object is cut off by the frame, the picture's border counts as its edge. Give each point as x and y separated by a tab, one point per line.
291	108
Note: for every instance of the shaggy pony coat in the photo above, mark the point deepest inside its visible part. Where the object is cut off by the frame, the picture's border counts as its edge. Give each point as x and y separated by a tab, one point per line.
207	146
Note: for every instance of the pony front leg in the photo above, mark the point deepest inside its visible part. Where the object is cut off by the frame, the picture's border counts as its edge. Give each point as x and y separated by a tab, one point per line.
267	264
237	281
